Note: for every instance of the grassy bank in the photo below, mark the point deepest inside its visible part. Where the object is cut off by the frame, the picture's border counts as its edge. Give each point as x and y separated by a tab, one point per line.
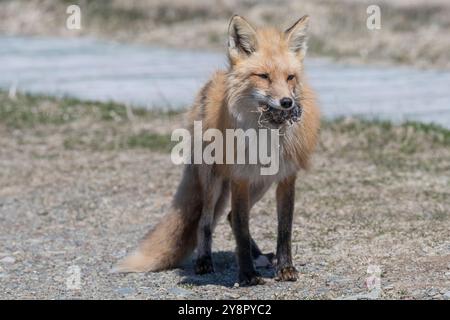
84	124
110	125
81	183
412	32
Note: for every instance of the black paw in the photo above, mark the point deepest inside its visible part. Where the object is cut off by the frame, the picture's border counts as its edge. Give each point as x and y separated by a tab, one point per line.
286	273
251	278
204	265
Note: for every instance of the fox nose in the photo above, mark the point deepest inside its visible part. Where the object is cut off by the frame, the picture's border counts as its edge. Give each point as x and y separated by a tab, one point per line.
286	102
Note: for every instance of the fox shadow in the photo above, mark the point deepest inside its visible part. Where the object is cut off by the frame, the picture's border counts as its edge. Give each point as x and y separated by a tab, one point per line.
225	271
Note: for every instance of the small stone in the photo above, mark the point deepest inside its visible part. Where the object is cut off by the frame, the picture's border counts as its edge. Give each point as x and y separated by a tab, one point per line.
432	292
42	213
416	293
80	216
446	295
232	295
9	260
447	274
322	291
125	291
337	280
356	297
389	287
180	292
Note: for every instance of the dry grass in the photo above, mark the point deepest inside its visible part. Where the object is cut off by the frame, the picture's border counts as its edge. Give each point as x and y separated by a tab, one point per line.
413	32
377	194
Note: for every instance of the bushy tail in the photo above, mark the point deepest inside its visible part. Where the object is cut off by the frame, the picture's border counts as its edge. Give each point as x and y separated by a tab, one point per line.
174	238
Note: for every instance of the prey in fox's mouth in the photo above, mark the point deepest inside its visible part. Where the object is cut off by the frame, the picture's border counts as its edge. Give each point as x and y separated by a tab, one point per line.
279	116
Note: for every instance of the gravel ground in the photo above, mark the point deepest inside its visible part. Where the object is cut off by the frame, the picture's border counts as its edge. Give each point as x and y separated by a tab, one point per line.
377	197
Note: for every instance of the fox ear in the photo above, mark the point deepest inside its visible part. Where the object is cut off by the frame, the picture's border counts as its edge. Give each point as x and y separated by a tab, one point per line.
297	36
241	37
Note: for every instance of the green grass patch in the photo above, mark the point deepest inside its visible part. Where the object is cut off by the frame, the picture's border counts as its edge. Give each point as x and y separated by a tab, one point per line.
109	125
28	110
149	140
120	140
409	136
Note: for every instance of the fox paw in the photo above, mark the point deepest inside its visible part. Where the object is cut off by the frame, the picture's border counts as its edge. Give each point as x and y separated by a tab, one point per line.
204	265
250	279
287	273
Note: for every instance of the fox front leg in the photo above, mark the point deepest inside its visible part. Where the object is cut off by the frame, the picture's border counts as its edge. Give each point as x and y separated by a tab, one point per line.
285	210
260	259
240	208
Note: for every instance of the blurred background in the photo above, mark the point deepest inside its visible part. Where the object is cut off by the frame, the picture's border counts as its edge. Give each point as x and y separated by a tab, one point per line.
156	53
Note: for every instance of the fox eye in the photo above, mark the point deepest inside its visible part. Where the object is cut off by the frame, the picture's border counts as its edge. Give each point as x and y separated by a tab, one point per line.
290	77
263	75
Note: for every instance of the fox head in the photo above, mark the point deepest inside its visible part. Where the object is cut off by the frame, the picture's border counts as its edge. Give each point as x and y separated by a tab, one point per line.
266	71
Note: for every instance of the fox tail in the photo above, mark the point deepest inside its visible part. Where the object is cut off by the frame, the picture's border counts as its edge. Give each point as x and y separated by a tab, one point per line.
174	238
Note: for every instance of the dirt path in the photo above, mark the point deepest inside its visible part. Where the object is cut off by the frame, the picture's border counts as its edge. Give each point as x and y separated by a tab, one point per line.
377	196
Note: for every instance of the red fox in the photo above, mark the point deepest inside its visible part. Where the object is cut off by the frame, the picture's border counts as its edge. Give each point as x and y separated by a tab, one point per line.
264	86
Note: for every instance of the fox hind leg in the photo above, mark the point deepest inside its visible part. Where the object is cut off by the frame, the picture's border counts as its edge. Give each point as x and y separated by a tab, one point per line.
211	193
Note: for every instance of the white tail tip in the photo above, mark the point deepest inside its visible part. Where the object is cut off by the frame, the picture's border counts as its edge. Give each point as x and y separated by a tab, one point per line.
135	262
